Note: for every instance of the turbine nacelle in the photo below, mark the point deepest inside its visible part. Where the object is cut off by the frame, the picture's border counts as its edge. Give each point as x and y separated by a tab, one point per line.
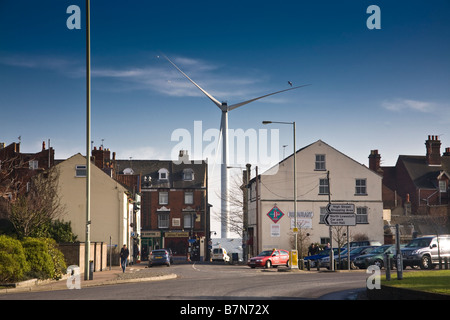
224	107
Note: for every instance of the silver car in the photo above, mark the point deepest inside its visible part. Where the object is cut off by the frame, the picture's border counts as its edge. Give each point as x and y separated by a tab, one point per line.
426	251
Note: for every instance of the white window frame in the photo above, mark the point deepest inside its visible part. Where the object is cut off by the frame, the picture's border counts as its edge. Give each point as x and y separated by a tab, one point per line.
80	171
324	187
163	197
188	220
163	220
188	174
163	174
361	189
320	163
362	216
188	197
442	186
322	215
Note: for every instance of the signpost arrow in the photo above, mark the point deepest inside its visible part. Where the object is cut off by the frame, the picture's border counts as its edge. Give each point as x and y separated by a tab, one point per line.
340	219
341	208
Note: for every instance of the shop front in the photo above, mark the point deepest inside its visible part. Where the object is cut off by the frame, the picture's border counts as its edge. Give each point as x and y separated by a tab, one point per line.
150	240
178	242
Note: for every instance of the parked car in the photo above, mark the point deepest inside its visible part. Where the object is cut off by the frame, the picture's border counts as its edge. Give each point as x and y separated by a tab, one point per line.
314	259
160	257
220	254
270	258
354	253
423	251
376	257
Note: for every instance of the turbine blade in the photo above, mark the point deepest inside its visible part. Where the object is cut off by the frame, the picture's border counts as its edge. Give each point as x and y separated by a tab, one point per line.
216	102
237	105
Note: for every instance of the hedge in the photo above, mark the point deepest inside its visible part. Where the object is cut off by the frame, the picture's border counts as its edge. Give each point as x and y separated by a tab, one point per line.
13	263
31	258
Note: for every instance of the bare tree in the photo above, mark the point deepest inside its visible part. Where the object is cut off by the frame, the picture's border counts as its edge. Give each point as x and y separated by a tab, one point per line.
302	241
12	177
39	205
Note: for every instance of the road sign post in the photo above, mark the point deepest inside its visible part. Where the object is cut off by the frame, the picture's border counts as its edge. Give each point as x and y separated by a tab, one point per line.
340	215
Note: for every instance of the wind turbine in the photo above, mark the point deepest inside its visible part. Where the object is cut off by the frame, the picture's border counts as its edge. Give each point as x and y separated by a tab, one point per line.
225	108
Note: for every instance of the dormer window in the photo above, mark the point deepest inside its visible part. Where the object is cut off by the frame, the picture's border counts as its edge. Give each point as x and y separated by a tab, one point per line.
443	180
188	174
163	174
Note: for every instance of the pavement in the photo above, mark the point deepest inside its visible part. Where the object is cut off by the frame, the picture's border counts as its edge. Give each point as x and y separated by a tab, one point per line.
135	273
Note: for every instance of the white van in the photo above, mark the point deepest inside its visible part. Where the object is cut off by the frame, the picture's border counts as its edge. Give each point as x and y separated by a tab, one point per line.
220	254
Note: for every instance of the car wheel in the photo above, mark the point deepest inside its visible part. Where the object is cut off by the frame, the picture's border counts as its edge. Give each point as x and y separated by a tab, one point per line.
287	263
268	264
425	263
379	263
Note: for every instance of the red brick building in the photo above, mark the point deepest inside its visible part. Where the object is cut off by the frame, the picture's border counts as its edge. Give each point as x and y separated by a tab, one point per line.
17	168
173	205
418	186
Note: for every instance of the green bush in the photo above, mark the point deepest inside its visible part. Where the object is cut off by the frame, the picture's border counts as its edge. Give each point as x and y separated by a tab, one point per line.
59	263
13	263
41	263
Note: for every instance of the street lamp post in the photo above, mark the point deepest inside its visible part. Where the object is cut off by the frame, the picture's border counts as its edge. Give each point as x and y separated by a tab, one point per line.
88	140
295	178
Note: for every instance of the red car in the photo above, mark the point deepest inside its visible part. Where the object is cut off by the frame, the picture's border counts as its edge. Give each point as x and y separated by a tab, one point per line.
270	258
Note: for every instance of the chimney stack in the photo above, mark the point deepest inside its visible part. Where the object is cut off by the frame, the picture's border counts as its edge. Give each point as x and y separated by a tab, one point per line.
433	146
375	161
183	156
446	153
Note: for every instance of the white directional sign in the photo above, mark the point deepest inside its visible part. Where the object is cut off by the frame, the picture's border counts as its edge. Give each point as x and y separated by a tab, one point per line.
341	208
340	219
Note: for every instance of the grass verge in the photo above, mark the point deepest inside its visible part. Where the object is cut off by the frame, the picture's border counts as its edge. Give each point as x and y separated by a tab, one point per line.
435	281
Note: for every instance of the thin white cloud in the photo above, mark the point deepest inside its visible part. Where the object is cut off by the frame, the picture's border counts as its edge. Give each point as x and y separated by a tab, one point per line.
399	105
38	62
164	79
159	76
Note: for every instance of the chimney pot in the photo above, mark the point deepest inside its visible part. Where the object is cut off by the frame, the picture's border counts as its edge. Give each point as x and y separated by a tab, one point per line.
447	152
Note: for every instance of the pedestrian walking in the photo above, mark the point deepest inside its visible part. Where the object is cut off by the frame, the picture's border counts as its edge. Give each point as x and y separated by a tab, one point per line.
124	253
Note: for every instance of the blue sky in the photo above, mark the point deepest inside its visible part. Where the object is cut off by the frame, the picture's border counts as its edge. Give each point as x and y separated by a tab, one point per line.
385	89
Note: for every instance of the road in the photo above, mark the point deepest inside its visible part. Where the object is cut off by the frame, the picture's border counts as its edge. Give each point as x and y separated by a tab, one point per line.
218	282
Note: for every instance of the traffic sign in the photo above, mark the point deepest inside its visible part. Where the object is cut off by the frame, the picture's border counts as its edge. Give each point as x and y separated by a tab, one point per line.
341	208
340	219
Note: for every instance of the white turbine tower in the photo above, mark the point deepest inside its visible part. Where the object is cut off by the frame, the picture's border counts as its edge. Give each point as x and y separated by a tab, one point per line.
224	107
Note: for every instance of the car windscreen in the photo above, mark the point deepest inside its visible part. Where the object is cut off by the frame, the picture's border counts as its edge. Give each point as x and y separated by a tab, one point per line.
419	243
357	250
265	253
381	249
